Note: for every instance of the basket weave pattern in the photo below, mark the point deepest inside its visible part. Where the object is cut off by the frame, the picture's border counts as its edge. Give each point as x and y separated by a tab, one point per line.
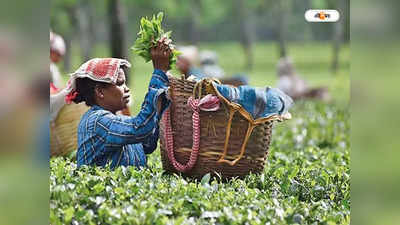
213	127
64	130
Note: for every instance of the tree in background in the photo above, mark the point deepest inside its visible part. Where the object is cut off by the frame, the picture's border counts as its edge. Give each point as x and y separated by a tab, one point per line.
119	48
194	20
278	15
63	21
281	12
246	33
339	31
72	18
84	18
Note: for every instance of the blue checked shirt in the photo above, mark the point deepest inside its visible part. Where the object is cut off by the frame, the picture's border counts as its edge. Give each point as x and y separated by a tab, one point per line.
105	138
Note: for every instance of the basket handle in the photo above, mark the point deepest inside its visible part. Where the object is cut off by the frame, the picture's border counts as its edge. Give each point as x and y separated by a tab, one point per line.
233	109
208	103
243	148
207	83
170	143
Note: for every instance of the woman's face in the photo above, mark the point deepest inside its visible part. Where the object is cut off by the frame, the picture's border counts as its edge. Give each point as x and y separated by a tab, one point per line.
115	97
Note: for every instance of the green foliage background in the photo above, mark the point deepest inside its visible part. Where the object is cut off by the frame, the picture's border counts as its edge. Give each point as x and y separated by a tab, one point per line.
217	19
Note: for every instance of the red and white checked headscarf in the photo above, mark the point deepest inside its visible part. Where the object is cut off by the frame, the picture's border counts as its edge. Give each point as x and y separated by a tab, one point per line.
57	43
98	69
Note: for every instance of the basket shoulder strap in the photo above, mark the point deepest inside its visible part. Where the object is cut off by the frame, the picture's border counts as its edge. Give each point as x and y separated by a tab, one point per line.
233	108
232	112
170	141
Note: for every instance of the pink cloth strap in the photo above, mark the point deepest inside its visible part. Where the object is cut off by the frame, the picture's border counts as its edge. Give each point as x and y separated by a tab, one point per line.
207	103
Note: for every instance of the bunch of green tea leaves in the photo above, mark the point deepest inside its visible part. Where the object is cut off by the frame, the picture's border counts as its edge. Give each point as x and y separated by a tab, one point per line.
149	34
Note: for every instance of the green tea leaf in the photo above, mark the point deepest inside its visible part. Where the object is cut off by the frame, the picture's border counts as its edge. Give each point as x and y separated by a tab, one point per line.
69	214
98	188
205	179
150	31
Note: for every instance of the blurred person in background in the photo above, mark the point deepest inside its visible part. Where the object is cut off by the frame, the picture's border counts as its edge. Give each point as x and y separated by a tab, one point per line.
209	64
39	95
17	110
210	68
205	64
11	89
187	62
57	51
296	87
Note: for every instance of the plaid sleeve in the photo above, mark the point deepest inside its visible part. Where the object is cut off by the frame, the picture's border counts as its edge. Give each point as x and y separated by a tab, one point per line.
159	79
117	130
150	143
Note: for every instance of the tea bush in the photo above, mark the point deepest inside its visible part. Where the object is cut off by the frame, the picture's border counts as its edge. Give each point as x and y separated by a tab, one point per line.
306	180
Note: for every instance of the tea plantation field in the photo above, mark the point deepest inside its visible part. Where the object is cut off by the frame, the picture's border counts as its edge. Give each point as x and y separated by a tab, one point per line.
306	179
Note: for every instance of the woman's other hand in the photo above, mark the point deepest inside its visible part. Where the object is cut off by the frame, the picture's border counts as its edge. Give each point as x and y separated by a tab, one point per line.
160	55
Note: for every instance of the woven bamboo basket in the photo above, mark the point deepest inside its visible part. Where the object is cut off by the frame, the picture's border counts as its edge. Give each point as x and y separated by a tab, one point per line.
213	133
63	131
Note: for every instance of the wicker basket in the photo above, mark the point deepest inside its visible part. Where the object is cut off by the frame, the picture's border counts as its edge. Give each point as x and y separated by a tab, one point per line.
63	131
213	133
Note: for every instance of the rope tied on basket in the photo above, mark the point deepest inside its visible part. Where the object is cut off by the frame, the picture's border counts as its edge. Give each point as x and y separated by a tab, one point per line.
207	103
